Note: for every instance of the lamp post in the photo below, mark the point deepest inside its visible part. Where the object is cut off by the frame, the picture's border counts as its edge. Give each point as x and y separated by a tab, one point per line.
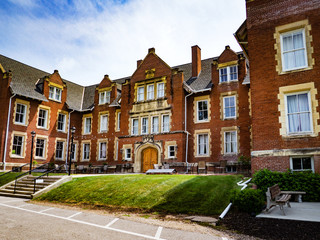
73	129
33	133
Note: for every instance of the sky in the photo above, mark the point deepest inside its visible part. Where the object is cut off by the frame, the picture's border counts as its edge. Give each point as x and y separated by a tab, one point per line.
86	39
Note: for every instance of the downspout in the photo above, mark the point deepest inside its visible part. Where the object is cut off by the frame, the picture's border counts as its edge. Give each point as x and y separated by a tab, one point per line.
185	127
7	133
68	137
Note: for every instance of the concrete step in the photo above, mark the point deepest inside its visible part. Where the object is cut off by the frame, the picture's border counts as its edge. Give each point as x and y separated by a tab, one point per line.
32	182
17	191
28	196
23	188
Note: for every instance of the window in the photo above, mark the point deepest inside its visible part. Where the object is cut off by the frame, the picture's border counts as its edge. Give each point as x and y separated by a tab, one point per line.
155	125
102	150
230	142
171	151
87	125
203	144
40	148
165	123
20	117
228	74
73	151
160	90
127	154
293	50
301	164
86	151
61	122
150	92
231	169
59	150
144	125
55	93
17	146
104	123
104	97
229	107
135	126
42	118
118	121
298	113
202	110
140	94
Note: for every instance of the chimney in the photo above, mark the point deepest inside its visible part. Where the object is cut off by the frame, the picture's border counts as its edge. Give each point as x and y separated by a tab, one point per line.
196	60
139	62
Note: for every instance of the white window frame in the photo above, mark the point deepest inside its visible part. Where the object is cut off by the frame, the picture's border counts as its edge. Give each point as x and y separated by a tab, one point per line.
150	91
73	154
300	170
55	94
287	115
235	107
62	150
100	150
104	97
146	126
163	123
133	128
43	150
228	68
304	47
103	128
206	143
21	146
140	95
225	142
45	123
118	121
127	154
24	114
153	125
160	91
198	110
84	151
170	151
63	122
85	130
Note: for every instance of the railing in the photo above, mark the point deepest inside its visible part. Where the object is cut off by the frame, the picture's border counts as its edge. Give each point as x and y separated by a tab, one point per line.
29	172
13	171
46	173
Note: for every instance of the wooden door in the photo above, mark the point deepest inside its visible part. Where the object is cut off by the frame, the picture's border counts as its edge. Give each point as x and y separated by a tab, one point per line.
149	157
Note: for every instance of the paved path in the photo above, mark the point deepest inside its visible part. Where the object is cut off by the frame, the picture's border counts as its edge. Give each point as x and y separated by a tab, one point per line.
22	220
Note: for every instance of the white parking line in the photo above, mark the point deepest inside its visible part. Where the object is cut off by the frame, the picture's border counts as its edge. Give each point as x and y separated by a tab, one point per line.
46	210
16	200
112	222
24	205
157	236
83	222
74	215
224	238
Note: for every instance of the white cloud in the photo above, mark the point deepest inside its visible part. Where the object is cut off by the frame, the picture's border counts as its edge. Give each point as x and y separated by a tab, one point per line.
109	41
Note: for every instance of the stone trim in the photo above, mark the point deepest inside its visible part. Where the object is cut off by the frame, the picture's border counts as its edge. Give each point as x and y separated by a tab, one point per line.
46	138
229	129
166	153
195	144
27	103
286	152
195	108
118	111
64	140
116	149
227	64
229	94
24	147
66	122
89	115
48	117
101	140
99	121
124	147
82	143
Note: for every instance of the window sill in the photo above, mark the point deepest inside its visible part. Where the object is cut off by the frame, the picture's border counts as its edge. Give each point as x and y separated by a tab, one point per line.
231	118
202	121
202	156
103	132
102	159
43	128
61	131
232	81
39	158
58	101
231	154
85	160
16	156
295	70
20	124
300	135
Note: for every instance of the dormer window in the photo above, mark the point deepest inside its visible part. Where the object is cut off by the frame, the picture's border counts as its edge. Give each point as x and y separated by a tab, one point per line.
55	93
228	74
104	97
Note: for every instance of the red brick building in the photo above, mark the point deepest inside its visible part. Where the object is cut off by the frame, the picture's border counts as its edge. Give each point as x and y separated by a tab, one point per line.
282	42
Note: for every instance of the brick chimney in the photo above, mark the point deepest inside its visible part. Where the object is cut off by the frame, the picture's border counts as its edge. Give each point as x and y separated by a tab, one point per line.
139	62
196	60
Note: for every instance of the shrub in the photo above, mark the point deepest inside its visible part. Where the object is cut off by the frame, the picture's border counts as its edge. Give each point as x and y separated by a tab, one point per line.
290	181
248	200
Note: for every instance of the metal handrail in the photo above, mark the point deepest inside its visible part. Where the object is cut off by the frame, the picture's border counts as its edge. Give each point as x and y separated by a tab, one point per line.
46	173
12	170
21	175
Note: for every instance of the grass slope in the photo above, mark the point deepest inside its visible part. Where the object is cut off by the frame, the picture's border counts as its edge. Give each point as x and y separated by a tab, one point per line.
207	195
8	178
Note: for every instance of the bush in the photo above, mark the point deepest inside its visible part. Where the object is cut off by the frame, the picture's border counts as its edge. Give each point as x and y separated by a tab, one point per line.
290	181
248	200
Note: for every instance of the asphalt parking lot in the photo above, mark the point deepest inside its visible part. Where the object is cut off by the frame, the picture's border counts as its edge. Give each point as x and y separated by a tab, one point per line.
22	220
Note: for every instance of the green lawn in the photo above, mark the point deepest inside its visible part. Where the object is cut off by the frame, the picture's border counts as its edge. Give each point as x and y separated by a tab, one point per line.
8	178
206	195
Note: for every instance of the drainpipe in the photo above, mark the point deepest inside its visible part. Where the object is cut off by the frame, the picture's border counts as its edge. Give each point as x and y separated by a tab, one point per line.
7	133
185	127
68	137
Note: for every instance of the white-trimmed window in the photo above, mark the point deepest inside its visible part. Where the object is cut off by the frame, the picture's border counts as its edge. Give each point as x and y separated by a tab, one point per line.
87	125
42	118
144	125
102	150
118	121
160	90
230	142
229	107
228	74
17	145
171	151
40	148
203	145
59	150
55	93
62	122
165	123
293	50
202	111
73	152
150	92
86	151
140	96
20	117
155	125
104	97
135	126
127	155
299	116
104	123
302	164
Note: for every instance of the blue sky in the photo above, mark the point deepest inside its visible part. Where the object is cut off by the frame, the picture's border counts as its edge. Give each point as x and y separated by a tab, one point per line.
86	39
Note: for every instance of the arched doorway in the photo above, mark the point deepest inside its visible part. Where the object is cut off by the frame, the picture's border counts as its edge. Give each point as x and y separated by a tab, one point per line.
149	157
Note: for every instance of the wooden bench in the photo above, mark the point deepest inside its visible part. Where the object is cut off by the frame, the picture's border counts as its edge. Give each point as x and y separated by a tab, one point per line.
275	197
297	195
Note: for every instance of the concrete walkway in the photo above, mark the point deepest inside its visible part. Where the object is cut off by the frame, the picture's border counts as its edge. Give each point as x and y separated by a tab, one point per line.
305	211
